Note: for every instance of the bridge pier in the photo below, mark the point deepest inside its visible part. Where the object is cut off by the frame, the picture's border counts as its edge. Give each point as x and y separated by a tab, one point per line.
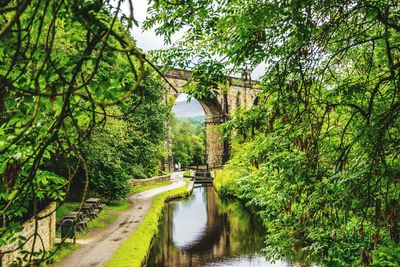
217	150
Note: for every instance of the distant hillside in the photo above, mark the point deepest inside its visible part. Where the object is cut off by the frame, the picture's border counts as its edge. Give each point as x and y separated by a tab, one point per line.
192	109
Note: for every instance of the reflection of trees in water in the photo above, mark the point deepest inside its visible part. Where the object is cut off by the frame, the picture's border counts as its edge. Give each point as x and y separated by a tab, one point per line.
205	193
231	231
246	233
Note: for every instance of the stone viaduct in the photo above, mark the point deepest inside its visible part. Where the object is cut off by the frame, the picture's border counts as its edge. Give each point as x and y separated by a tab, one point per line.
240	93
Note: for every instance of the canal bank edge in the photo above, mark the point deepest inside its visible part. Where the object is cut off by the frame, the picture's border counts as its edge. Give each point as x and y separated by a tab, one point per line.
135	250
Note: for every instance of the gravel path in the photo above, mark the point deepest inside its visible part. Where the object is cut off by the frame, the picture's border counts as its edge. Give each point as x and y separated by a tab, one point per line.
105	243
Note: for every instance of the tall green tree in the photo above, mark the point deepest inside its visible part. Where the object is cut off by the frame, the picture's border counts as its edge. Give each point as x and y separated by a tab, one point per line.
60	74
188	141
130	146
319	152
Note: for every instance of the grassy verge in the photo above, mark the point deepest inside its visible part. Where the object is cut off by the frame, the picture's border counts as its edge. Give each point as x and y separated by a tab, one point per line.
134	251
141	188
61	251
103	219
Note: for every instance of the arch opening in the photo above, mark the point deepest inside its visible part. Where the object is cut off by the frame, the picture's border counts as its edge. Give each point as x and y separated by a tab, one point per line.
188	136
200	119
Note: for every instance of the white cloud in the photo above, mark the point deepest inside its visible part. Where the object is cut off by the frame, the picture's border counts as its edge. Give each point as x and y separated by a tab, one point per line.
148	40
182	98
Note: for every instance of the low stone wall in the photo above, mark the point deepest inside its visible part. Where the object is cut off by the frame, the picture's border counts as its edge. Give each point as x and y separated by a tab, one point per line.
189	191
151	181
46	230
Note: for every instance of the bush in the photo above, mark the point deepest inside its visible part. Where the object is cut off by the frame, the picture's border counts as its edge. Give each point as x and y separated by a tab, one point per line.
128	147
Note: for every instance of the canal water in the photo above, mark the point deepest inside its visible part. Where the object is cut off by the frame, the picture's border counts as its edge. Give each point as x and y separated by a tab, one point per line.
206	231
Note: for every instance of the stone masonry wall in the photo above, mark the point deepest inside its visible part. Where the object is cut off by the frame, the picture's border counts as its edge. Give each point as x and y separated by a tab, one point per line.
46	230
151	181
214	145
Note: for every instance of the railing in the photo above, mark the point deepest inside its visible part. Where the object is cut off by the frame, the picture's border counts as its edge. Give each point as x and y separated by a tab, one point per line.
202	167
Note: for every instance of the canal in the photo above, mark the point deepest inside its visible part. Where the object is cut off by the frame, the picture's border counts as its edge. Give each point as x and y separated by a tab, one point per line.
206	231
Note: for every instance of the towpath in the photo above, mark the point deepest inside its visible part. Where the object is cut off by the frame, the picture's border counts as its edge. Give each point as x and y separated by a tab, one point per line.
98	249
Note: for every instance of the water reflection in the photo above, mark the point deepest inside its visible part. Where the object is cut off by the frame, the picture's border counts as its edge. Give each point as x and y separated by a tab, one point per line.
196	225
204	231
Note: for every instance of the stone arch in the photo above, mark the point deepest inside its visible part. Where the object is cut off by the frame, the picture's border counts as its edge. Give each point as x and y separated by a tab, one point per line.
217	110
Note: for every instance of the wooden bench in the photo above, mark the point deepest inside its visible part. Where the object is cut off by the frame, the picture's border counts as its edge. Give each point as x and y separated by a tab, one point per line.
78	218
88	209
82	224
96	202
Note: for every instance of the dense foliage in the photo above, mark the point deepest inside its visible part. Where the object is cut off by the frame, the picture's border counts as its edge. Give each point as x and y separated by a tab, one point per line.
188	141
318	156
69	69
130	147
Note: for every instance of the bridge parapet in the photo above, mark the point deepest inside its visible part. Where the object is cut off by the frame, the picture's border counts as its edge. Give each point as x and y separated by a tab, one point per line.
186	75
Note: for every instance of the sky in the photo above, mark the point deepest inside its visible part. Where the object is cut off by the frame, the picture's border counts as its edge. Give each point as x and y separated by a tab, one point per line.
182	97
148	40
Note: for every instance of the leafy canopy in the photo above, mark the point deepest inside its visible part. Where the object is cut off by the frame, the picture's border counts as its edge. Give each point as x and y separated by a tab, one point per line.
63	66
317	157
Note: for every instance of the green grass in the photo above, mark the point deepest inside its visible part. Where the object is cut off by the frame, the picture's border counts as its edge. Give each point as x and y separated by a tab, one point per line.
117	206
141	188
108	214
134	251
61	251
65	208
105	217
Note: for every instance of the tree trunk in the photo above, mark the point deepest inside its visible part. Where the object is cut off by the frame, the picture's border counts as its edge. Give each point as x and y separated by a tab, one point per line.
2	101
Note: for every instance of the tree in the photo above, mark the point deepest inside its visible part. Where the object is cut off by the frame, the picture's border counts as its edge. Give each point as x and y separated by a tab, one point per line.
322	164
59	77
128	147
188	141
